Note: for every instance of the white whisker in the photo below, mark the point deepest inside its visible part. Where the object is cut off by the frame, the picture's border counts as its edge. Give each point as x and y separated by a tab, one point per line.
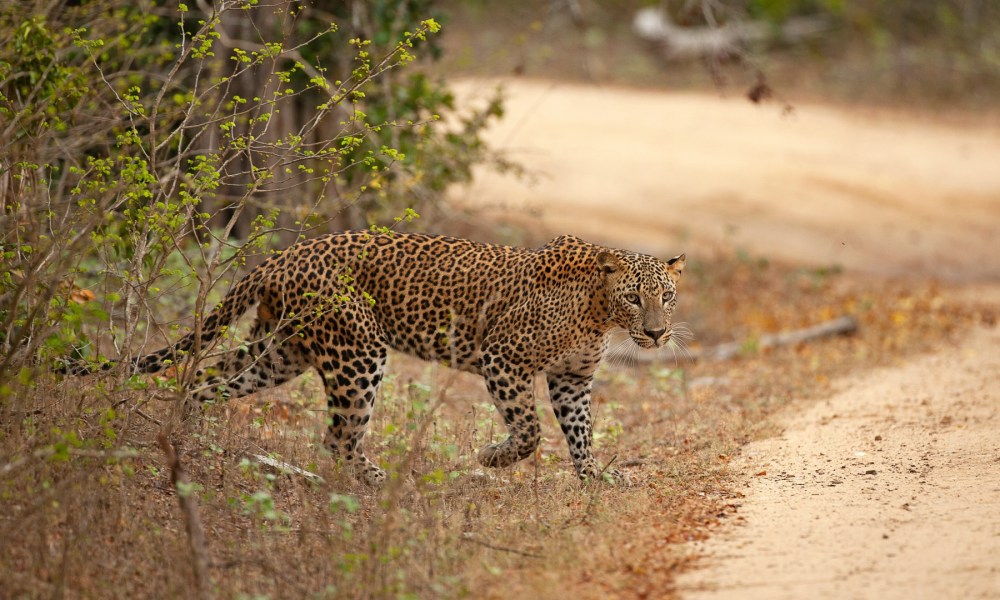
620	349
633	354
682	330
681	345
673	348
680	336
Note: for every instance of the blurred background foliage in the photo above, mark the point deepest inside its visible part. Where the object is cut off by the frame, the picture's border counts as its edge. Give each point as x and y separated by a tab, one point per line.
920	53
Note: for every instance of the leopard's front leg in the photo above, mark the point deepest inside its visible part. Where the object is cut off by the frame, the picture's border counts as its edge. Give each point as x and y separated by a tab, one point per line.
569	393
512	390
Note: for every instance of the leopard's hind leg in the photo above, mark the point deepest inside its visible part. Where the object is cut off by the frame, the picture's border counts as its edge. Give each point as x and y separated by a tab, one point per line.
512	390
350	354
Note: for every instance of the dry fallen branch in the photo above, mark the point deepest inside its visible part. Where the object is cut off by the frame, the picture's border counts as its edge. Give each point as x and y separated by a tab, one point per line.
285	468
685	43
192	523
845	325
468	537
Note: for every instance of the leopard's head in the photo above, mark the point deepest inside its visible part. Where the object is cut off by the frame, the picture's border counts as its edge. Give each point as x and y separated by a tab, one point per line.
642	292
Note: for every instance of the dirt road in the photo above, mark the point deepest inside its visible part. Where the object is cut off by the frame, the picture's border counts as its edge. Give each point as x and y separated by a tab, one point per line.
890	488
875	193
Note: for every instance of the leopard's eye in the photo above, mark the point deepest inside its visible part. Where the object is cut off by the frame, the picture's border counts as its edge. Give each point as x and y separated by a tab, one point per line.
633	299
667	297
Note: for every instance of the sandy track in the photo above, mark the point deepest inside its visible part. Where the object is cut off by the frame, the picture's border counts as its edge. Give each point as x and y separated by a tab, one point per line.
875	193
891	488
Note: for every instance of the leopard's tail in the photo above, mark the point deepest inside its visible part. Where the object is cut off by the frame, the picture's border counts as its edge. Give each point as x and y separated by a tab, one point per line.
244	294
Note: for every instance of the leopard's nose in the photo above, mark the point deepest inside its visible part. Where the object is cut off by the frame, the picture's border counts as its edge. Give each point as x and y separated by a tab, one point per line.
655	334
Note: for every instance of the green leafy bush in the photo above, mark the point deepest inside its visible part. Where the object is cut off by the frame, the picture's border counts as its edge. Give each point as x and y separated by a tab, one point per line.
150	149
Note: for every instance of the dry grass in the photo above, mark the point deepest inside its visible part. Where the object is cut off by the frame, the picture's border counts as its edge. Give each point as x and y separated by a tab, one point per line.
87	508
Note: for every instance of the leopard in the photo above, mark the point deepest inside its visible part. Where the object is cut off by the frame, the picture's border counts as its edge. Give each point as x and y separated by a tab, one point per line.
338	303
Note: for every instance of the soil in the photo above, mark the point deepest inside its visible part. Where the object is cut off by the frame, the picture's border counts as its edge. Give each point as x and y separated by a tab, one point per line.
891	487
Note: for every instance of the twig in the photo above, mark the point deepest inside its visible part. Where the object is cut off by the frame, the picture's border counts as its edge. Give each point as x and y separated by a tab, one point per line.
607	466
192	523
285	468
139	412
467	537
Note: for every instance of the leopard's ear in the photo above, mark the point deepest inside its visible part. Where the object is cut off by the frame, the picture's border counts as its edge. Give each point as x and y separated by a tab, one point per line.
608	263
675	266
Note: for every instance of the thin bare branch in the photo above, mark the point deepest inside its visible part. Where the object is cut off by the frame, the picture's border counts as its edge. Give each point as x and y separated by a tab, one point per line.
192	522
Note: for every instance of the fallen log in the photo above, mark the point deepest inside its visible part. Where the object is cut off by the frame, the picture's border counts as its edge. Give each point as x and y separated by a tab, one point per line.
845	325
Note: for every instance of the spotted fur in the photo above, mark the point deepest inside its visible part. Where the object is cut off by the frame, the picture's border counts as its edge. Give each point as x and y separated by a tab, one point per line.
339	302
